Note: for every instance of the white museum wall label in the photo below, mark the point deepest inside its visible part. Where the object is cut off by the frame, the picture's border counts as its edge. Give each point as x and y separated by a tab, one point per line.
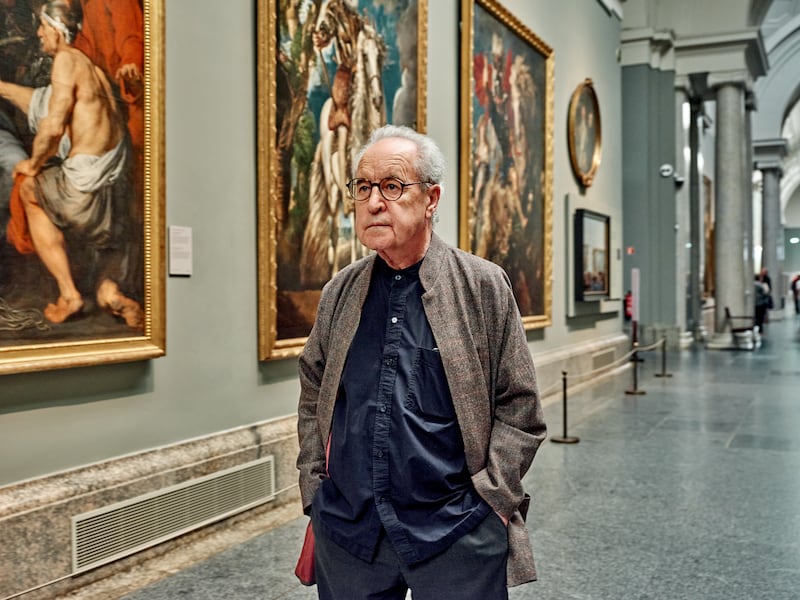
180	250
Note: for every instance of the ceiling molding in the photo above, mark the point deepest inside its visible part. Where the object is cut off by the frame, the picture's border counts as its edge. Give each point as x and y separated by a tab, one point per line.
722	53
613	7
646	46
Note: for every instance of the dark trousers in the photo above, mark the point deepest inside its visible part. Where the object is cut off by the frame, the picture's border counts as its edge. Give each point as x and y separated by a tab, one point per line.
761	317
473	568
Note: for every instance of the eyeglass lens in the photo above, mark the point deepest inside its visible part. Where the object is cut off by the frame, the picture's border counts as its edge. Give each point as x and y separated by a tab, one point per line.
390	188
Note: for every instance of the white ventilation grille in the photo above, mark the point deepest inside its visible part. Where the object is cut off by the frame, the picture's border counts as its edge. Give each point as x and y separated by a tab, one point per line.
602	358
112	532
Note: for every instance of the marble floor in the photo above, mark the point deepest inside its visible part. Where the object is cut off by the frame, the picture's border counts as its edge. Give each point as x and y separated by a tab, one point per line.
690	491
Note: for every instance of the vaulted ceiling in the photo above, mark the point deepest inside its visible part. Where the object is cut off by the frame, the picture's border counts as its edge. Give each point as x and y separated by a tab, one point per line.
775	72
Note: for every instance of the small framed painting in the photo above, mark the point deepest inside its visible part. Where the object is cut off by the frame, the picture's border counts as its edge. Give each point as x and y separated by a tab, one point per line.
584	133
592	244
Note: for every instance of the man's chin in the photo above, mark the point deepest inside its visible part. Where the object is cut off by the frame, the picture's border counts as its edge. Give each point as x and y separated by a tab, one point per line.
375	237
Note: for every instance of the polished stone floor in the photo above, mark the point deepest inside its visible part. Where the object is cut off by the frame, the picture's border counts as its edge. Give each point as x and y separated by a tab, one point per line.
690	491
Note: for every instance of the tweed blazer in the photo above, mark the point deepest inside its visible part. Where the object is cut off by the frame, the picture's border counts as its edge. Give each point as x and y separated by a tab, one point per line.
474	318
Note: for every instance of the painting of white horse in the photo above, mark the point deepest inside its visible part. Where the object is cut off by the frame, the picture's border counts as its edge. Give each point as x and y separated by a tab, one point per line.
342	68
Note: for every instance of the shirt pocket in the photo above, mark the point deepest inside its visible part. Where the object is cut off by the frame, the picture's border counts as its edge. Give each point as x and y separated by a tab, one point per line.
429	394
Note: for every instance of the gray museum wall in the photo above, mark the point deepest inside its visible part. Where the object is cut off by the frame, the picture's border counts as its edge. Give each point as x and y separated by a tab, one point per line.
649	210
75	440
211	380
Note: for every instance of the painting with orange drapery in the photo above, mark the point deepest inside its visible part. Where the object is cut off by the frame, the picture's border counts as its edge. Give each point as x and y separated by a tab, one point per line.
78	191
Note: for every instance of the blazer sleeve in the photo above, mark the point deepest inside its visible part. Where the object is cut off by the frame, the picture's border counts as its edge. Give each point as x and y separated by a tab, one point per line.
311	458
518	426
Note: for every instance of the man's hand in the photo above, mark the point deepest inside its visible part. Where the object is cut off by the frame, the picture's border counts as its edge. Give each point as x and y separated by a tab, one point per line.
25	167
502	518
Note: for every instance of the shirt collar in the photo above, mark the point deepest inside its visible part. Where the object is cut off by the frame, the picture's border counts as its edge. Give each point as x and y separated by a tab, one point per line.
386	272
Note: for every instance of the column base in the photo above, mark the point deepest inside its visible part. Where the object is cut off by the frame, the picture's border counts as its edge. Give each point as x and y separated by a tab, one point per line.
685	340
741	340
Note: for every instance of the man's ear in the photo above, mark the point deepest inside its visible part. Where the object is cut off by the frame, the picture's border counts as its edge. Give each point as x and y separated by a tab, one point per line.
434	194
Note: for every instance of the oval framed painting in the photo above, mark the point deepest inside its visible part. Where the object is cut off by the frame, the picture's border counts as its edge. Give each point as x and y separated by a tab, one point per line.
584	132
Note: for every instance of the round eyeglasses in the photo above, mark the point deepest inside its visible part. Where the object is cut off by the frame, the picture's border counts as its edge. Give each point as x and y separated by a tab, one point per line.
391	188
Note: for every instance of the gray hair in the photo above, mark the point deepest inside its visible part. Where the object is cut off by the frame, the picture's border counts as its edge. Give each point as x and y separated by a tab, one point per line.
429	163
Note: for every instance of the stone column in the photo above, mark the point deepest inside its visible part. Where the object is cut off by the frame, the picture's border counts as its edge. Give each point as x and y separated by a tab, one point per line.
772	229
747	190
729	251
682	217
769	155
697	224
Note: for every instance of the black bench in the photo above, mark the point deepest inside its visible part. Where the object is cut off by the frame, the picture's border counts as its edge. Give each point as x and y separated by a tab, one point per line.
739	324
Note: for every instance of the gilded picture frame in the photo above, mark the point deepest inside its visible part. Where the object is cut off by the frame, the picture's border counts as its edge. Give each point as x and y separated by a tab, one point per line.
584	132
117	269
329	73
506	154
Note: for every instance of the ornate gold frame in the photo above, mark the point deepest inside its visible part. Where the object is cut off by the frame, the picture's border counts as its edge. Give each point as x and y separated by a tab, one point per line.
41	355
270	344
584	173
531	279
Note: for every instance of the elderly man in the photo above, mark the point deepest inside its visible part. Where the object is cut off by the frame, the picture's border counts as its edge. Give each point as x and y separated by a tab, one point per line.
77	122
419	412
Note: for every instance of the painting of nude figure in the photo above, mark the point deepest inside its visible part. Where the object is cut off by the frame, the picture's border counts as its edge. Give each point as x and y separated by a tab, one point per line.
81	187
330	72
506	152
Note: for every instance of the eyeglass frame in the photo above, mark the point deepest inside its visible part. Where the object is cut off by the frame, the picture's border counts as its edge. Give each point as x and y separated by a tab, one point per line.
374	184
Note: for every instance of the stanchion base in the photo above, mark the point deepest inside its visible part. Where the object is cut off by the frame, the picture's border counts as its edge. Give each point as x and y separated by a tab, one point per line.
663	374
565	440
635	392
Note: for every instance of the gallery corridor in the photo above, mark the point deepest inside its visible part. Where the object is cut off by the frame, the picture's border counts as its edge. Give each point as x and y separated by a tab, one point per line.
690	491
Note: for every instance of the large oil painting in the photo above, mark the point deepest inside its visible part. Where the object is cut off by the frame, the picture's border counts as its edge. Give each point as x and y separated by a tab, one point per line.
506	152
81	183
329	73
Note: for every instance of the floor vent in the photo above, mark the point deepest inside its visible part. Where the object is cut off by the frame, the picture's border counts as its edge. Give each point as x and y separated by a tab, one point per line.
602	359
112	532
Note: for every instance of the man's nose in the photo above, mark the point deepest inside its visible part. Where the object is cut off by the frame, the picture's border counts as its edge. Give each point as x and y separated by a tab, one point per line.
375	201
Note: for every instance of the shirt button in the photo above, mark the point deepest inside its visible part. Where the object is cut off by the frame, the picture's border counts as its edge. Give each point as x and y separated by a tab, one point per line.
394	319
380	453
398	277
383	408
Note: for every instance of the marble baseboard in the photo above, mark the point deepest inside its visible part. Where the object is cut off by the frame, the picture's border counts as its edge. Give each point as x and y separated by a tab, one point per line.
585	364
35	516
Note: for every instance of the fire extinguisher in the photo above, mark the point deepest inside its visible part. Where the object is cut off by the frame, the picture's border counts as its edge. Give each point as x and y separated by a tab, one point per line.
628	305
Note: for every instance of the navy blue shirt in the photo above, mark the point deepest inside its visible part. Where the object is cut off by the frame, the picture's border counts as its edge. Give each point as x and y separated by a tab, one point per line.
396	457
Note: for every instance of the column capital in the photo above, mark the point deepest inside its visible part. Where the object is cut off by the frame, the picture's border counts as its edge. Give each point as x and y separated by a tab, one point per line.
693	85
750	100
722	54
683	86
647	46
768	154
769	167
740	79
